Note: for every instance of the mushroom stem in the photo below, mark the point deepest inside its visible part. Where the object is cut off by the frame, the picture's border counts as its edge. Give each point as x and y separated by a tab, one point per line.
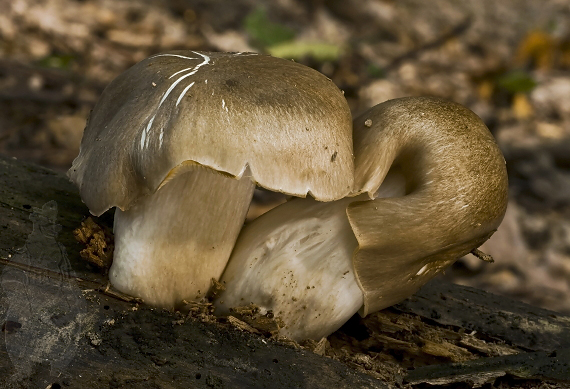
169	245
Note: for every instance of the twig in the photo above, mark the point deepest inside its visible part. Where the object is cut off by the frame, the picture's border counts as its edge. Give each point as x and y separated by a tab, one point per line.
482	256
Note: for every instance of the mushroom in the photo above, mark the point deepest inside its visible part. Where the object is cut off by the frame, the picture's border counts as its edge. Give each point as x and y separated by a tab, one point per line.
431	186
177	144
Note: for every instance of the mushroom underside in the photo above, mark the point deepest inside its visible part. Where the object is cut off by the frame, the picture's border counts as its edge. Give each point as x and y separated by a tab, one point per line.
296	261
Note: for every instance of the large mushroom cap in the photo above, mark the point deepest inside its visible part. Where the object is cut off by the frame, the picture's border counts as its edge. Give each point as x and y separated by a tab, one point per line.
290	124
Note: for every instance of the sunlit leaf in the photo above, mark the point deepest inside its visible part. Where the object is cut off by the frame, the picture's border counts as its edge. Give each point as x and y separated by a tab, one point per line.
298	50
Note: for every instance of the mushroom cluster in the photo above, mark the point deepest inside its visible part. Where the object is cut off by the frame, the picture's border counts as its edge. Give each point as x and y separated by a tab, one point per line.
178	142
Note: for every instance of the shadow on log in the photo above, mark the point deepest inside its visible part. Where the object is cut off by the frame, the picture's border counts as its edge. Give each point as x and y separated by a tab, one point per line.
61	329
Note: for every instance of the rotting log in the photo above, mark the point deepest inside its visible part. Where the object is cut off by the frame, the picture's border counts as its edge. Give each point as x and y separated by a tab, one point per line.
60	328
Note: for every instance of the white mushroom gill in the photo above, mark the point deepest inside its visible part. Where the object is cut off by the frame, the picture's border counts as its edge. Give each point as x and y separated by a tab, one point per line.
169	245
296	261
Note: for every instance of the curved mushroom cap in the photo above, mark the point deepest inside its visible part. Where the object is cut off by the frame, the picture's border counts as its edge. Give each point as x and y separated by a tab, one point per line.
456	194
290	124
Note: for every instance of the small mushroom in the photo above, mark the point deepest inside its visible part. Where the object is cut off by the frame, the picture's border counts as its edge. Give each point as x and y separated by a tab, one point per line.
177	144
431	186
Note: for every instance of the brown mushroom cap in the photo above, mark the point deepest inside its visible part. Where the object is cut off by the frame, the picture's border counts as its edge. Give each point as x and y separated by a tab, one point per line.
456	193
290	124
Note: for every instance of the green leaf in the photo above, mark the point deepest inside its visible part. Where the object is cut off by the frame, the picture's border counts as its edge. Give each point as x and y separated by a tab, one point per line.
375	71
516	81
298	50
58	61
264	32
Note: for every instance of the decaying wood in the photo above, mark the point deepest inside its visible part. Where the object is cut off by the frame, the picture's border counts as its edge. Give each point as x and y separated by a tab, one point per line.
87	337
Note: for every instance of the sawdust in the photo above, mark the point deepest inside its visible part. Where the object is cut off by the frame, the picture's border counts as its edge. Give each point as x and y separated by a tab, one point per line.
384	345
202	310
99	241
215	290
267	325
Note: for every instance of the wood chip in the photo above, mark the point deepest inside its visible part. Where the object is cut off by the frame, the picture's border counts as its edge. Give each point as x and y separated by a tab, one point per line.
241	325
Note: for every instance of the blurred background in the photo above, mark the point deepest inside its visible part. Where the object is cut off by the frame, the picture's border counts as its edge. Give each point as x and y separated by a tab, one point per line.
508	61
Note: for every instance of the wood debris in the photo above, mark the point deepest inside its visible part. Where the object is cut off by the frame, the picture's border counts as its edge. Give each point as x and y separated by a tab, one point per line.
267	324
99	242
